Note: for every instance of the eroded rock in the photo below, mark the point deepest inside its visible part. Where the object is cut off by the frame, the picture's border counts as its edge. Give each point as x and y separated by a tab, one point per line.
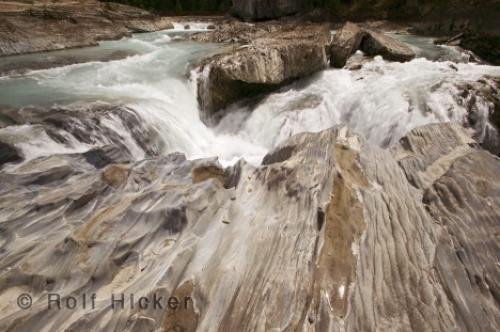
376	43
266	64
350	38
52	26
354	237
346	41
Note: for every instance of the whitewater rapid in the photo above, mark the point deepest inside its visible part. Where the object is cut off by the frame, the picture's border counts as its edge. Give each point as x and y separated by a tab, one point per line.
382	100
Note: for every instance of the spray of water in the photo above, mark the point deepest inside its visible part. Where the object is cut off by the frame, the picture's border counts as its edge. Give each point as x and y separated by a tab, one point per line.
382	100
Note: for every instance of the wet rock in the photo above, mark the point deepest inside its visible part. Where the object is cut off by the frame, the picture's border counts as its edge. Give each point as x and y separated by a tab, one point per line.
53	26
210	171
308	101
279	155
345	42
485	45
351	38
9	154
266	64
92	124
357	61
484	121
97	158
52	60
145	25
106	155
376	43
52	175
339	227
116	175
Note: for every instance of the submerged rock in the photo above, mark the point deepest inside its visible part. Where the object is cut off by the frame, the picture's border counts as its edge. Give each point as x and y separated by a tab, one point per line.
340	228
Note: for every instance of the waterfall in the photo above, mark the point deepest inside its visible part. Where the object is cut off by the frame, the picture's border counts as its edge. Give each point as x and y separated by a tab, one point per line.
151	102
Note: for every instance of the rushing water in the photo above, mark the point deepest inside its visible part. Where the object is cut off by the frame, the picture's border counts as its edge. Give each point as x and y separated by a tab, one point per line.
155	78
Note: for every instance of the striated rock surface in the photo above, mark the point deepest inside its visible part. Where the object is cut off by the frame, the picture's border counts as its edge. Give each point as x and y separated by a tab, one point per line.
350	236
45	27
351	38
87	125
268	62
265	9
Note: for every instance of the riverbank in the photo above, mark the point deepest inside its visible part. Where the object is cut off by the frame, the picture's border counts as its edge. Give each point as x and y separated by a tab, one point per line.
38	27
46	26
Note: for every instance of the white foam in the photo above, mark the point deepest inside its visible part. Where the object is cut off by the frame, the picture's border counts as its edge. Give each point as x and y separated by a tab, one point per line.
193	26
382	100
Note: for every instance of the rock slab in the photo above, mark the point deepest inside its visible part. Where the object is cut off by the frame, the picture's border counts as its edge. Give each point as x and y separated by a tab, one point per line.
268	62
353	237
52	26
351	38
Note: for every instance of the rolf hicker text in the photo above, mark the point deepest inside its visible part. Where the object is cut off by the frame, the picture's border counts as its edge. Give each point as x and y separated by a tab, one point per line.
119	302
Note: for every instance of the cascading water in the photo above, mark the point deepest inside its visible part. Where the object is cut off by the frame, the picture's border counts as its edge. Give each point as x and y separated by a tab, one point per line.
382	100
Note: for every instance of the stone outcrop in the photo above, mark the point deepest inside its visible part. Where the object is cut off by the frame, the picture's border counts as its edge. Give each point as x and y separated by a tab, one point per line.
351	37
353	237
376	43
71	24
265	9
346	41
268	62
273	54
90	124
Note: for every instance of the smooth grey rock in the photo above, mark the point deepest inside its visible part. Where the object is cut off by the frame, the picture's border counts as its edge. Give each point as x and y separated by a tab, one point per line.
352	237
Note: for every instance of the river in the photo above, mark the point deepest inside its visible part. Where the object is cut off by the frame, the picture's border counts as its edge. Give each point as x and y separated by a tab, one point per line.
155	75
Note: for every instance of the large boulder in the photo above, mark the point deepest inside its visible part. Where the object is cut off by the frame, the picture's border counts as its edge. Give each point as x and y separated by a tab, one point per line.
351	38
346	41
264	65
265	9
376	43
